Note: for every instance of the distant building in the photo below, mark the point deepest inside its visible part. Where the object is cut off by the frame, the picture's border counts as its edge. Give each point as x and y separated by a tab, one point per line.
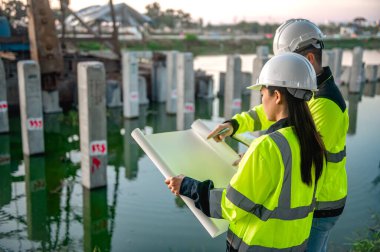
348	31
356	28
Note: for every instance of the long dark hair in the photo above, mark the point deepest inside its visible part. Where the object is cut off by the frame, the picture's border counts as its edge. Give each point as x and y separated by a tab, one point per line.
312	147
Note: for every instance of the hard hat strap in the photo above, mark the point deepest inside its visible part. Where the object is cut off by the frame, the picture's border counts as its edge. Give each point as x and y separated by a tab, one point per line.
300	93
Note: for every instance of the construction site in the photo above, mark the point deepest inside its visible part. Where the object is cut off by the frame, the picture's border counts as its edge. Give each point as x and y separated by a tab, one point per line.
90	99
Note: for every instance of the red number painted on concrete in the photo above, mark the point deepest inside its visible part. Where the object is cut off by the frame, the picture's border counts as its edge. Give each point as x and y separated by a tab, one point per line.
3	106
236	103
98	148
35	124
95	164
134	96
189	108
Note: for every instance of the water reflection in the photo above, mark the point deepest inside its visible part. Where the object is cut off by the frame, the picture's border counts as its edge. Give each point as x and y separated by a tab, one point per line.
132	151
5	170
159	120
36	198
50	124
95	220
203	108
369	89
353	101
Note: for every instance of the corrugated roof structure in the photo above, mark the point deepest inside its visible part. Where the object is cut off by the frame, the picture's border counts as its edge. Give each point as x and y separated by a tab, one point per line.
124	14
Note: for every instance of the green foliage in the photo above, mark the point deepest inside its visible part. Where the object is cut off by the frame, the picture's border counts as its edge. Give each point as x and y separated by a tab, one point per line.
192	43
372	242
371	43
154	46
189	37
90	46
72	118
168	18
13	10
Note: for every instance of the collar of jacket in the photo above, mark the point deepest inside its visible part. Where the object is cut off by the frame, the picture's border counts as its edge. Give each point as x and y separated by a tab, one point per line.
324	76
282	123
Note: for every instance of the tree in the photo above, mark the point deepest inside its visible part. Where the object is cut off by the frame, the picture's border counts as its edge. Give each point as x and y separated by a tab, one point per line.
154	12
13	10
168	18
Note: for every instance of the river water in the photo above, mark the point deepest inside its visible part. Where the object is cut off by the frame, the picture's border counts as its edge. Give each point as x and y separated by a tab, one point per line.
43	206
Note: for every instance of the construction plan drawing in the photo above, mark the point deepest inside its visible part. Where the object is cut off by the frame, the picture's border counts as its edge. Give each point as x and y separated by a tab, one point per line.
188	152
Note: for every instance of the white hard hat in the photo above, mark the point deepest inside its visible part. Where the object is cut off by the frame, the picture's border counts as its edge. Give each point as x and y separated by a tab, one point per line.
289	70
296	34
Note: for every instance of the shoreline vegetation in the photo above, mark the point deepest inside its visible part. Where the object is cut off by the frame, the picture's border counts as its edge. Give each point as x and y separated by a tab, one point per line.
370	241
191	43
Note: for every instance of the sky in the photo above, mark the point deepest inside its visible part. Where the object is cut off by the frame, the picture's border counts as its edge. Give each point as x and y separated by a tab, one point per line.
231	11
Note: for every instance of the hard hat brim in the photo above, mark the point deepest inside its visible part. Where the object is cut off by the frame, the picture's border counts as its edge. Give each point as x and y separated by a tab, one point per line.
256	87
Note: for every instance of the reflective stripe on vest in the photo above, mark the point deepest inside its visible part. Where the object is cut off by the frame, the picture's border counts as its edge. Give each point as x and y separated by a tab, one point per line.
256	119
283	211
236	242
336	157
331	205
215	203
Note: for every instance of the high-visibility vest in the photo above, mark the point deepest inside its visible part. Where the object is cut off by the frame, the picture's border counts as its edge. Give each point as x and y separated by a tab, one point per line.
331	121
267	204
333	127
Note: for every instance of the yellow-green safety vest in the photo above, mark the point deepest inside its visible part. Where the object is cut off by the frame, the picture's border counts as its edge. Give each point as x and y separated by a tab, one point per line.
267	204
332	124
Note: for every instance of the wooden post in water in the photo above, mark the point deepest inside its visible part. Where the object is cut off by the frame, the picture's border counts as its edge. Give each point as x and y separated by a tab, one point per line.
337	65
130	85
185	91
92	123
356	75
29	82
171	96
4	122
232	90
